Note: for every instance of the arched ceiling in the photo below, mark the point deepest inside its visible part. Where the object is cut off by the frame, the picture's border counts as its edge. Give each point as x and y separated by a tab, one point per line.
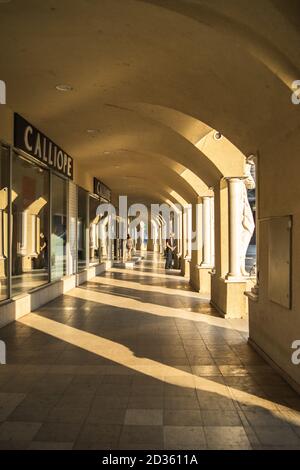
154	77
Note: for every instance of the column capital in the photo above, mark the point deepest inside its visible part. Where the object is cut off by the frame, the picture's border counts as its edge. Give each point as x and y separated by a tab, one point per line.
235	178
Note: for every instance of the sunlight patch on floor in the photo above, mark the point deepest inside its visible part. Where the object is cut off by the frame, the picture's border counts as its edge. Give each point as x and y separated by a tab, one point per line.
149	308
123	356
136	285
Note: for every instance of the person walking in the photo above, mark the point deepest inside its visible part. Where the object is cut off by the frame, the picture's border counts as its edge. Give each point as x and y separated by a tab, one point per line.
170	248
129	246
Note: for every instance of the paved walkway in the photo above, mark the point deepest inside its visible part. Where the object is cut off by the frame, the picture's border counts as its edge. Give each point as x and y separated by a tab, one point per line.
135	360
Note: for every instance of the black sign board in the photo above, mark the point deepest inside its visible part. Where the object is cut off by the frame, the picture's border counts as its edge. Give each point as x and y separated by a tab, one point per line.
35	143
102	190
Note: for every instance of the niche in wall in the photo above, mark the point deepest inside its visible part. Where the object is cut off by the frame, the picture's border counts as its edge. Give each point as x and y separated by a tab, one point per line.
280	252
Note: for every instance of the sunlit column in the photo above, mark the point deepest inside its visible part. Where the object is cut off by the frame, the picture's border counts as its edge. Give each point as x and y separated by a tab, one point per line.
156	236
142	234
161	241
212	231
206	224
179	234
189	231
235	221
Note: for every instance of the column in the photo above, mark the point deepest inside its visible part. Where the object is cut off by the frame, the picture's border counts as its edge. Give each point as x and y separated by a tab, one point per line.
212	231
235	219
140	244
161	245
155	227
206	224
151	235
197	240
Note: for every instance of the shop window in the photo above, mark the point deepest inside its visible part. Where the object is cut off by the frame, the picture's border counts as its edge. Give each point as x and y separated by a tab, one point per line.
30	227
59	228
4	211
82	224
94	242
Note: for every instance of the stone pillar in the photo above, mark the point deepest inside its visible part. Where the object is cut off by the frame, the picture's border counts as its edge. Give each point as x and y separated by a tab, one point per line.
153	242
156	237
227	283
150	244
124	231
179	236
206	261
206	264
141	244
187	240
160	243
212	231
196	253
235	220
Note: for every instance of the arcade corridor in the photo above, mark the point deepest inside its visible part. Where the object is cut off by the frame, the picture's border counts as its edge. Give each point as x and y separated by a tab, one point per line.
135	359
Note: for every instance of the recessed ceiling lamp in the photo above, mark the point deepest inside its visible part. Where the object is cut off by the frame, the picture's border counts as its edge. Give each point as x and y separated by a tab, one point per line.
64	87
217	135
93	132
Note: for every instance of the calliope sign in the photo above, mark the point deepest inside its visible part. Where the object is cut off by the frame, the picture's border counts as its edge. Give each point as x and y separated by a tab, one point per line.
35	143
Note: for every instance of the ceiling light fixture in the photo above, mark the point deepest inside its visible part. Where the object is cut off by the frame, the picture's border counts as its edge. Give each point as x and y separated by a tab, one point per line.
64	87
93	132
106	152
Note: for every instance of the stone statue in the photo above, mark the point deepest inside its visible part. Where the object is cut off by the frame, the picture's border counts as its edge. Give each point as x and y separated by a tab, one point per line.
248	224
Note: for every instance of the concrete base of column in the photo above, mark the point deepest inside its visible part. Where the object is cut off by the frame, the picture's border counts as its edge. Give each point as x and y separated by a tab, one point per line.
194	277
205	279
228	297
200	279
185	267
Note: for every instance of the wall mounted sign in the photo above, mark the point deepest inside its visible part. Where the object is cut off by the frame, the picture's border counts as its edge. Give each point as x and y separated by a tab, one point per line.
35	143
102	190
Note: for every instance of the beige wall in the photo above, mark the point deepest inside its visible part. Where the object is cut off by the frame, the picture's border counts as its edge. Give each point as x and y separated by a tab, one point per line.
272	327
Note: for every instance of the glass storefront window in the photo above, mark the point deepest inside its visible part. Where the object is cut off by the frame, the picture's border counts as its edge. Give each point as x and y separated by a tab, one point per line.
30	227
38	229
93	231
59	228
82	223
4	210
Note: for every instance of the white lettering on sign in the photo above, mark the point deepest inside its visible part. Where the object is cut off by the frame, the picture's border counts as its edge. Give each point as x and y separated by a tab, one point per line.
28	131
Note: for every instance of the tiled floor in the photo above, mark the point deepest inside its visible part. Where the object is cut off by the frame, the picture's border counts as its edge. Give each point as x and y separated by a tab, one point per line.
135	360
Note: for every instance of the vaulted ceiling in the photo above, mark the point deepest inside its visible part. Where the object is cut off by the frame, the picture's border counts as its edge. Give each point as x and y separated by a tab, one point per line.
153	78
